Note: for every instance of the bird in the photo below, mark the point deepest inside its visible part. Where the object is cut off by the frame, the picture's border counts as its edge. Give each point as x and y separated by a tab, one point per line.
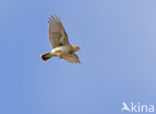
58	39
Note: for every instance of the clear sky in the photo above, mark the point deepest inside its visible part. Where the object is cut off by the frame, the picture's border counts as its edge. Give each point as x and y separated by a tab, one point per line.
118	55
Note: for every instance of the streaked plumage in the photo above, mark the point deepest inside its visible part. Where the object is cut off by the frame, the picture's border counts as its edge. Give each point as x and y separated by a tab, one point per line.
59	41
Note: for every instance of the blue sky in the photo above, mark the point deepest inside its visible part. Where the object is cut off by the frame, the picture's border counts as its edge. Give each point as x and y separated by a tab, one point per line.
118	55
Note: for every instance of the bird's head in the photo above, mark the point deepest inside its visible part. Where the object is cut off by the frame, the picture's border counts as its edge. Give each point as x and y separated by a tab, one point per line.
76	47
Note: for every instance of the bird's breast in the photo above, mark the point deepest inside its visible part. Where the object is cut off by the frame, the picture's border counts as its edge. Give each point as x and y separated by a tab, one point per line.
62	49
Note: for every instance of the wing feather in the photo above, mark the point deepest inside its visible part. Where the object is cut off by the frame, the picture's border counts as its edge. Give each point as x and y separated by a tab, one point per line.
73	58
57	33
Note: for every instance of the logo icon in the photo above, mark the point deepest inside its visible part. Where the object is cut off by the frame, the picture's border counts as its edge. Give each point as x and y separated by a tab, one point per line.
125	107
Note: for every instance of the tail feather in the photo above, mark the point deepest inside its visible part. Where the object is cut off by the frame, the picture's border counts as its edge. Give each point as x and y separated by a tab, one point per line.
45	57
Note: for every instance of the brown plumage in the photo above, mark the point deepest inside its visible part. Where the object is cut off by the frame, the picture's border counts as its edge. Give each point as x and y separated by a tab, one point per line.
59	41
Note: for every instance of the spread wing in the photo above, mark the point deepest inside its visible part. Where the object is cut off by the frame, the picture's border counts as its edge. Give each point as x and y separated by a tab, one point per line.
57	34
73	58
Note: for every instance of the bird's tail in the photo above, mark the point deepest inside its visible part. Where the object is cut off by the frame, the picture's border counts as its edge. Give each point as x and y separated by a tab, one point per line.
46	56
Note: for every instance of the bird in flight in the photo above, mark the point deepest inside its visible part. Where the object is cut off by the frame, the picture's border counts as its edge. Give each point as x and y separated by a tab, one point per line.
59	41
